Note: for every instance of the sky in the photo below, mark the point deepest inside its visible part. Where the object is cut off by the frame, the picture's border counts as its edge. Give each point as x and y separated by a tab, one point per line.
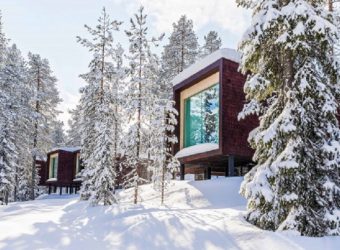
50	27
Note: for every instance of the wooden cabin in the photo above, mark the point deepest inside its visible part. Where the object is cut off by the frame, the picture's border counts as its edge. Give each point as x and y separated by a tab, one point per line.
209	96
62	169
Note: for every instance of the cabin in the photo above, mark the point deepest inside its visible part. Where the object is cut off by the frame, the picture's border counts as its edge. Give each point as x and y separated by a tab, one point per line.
62	169
209	96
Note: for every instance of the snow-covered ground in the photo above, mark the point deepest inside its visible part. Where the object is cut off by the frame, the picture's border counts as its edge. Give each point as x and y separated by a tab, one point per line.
197	215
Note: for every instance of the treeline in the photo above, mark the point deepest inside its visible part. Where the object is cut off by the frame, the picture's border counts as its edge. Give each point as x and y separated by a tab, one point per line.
28	119
125	119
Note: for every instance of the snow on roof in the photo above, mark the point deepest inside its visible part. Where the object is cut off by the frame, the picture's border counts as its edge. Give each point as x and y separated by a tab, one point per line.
226	53
67	149
197	149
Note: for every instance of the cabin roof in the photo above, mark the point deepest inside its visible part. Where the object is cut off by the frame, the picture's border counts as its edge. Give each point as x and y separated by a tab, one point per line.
229	54
67	149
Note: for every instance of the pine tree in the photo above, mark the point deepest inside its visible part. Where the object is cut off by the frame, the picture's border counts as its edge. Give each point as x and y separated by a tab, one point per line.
164	164
8	151
16	113
74	131
117	90
293	87
3	43
212	42
15	74
140	93
182	49
58	134
44	102
98	114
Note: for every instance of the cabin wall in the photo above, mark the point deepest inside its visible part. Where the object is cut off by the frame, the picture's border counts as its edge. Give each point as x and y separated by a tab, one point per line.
66	167
234	132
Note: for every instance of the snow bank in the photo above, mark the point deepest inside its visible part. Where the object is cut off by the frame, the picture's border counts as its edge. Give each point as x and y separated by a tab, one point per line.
196	215
196	149
226	53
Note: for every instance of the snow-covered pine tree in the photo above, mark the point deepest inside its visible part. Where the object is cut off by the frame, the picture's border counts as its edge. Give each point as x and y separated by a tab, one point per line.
8	155
104	174
97	106
8	151
334	7
293	87
74	131
3	43
58	134
164	164
117	91
140	93
44	102
212	42
14	75
182	49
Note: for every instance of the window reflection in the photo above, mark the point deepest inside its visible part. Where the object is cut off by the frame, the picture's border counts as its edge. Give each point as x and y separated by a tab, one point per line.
201	117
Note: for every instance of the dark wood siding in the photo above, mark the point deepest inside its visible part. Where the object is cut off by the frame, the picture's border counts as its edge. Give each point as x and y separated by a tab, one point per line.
234	132
66	167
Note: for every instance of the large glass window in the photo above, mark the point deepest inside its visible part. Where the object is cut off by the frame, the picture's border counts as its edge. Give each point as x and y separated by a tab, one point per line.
53	166
202	117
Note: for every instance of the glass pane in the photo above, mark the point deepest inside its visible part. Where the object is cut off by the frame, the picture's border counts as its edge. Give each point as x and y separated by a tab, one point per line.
55	167
202	117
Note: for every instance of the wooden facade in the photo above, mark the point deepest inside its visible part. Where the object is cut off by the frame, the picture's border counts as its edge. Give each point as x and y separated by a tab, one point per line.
233	153
67	174
68	166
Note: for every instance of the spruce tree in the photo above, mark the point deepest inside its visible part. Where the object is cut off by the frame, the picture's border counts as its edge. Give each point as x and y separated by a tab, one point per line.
15	74
182	49
164	164
212	42
74	131
44	102
140	93
293	88
3	43
58	134
98	114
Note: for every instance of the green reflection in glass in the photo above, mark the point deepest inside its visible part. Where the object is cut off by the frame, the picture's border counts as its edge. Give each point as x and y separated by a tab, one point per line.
202	117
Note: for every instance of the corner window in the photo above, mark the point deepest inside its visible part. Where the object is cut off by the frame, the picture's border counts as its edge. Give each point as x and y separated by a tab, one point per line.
202	117
53	169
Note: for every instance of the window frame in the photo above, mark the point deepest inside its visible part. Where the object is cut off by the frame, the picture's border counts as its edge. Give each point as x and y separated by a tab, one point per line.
53	166
187	109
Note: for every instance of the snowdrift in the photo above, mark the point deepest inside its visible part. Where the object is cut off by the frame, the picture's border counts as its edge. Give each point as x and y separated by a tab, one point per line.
196	215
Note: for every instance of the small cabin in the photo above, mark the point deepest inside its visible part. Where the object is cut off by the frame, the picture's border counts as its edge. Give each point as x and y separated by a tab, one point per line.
209	96
62	169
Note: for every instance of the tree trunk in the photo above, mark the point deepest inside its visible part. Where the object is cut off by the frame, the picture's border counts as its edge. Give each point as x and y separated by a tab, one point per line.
102	62
164	157
135	200
35	140
330	5
139	91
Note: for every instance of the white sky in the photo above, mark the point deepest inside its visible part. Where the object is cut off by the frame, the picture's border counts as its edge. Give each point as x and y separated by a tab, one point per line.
49	27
